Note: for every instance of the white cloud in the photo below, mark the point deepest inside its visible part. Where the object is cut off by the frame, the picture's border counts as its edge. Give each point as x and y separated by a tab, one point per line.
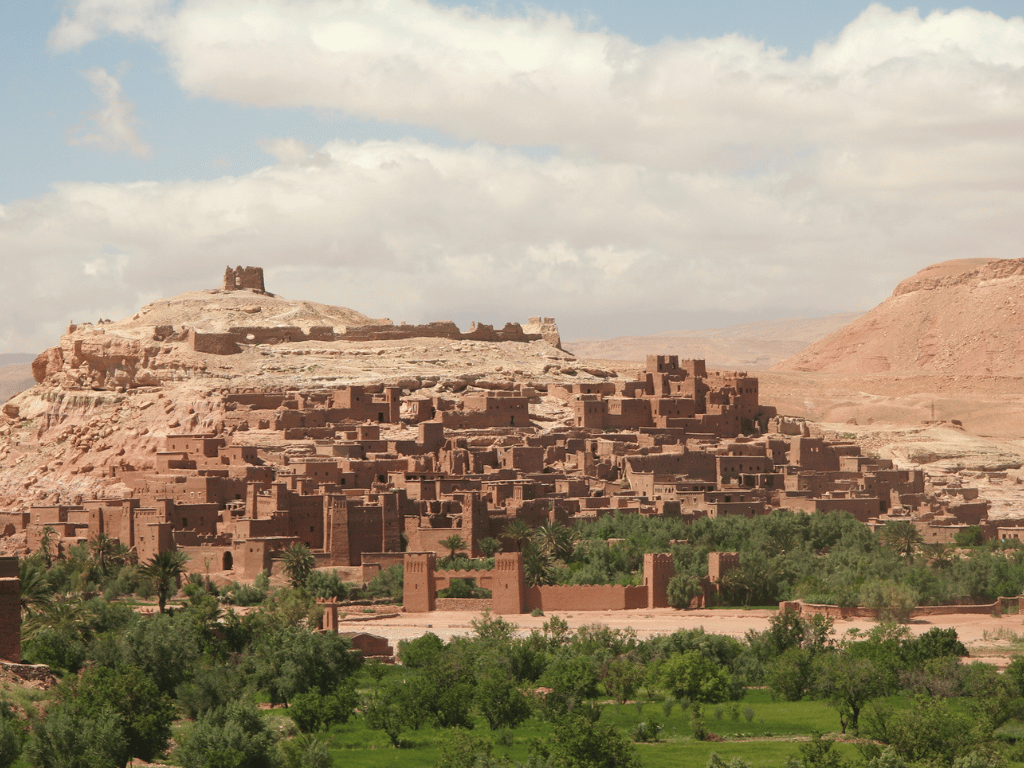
538	80
415	232
691	179
114	123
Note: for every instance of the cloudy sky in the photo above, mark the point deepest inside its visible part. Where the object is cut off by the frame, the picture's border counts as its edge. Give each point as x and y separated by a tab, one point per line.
625	167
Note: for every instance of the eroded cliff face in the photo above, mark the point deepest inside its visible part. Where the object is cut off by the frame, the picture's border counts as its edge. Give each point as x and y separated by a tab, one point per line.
90	358
964	318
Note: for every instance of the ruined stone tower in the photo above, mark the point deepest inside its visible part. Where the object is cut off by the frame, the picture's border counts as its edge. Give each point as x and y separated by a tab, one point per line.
244	278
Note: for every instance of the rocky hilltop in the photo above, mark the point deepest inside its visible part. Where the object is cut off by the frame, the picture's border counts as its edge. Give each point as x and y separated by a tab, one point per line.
961	317
108	394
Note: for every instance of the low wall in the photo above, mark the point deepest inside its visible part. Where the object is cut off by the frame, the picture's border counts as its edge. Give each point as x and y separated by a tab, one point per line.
476	605
605	597
859	612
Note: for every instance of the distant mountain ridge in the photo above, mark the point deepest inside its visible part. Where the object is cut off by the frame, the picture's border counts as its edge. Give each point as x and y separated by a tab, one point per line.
748	346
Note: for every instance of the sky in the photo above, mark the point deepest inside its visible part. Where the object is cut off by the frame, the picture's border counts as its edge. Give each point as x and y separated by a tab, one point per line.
627	168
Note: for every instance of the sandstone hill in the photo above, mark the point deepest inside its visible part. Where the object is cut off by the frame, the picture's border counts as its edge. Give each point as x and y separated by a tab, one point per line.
750	346
110	392
957	317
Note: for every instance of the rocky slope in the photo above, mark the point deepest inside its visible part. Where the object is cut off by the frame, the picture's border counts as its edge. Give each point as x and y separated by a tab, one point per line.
110	392
960	317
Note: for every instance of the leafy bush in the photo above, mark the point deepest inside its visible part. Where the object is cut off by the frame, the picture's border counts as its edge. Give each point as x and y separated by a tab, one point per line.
327	584
232	735
315	711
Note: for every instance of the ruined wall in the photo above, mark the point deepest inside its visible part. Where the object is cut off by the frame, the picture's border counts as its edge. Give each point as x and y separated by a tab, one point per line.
10	610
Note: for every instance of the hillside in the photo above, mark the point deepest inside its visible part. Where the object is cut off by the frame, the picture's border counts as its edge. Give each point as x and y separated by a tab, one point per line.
961	317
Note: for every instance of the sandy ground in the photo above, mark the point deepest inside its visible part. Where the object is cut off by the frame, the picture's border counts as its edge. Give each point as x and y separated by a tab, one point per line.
987	637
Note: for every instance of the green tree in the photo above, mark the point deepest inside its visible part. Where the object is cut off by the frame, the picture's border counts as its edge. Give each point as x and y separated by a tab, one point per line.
67	738
489	546
10	740
102	548
298	563
164	572
971	536
145	715
518	532
682	589
295	660
554	540
790	675
847	683
454	544
902	537
315	711
894	602
500	701
579	742
306	751
692	675
234	735
388	708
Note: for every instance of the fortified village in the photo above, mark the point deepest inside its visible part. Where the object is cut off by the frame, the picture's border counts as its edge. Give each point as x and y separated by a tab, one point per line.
321	465
370	475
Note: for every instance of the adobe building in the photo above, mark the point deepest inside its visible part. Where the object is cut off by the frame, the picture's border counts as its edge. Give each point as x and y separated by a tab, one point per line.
676	440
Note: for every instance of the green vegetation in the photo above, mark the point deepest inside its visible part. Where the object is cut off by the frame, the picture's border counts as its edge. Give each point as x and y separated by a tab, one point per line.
553	698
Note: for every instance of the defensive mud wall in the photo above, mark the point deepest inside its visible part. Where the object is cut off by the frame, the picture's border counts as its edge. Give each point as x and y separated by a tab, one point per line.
510	595
233	341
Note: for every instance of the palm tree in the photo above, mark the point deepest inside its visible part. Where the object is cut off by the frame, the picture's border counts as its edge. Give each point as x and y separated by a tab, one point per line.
489	546
36	592
554	540
901	537
536	566
103	549
298	562
164	572
519	533
454	544
46	544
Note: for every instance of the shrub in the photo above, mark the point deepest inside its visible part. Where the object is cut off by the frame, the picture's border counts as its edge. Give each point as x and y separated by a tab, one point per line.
894	602
314	711
232	735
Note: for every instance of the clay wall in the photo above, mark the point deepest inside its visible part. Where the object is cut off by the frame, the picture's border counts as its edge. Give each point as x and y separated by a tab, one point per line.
627	413
606	597
10	610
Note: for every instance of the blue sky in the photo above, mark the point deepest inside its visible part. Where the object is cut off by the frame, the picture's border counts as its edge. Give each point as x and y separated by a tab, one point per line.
627	168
